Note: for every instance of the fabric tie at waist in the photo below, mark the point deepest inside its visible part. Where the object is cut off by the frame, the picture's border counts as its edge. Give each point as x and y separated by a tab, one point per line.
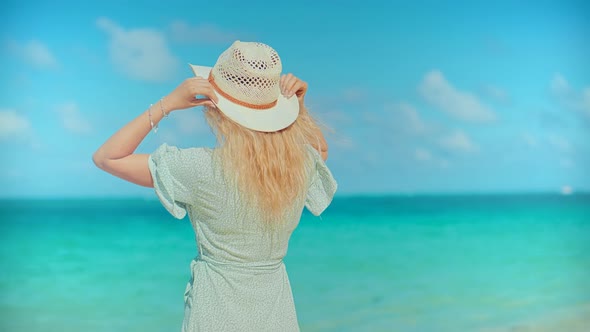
256	267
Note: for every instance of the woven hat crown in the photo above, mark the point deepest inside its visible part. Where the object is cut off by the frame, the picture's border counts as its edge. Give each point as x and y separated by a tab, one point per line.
249	72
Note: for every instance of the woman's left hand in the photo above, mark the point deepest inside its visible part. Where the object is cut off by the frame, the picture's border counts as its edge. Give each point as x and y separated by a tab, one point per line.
292	85
185	95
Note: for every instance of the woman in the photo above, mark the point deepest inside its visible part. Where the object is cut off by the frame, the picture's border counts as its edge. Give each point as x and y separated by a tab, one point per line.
245	197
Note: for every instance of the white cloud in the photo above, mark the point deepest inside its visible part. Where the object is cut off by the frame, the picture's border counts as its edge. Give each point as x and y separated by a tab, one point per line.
422	154
35	53
191	122
560	86
406	118
166	135
139	53
458	141
569	97
559	142
333	117
444	163
181	31
13	125
496	93
72	120
566	163
529	139
343	142
585	103
354	94
459	104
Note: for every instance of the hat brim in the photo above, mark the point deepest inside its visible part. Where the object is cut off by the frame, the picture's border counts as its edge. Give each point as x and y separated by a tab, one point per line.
278	117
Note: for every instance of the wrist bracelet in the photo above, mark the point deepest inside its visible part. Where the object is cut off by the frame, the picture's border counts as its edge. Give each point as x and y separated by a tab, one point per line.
151	121
164	114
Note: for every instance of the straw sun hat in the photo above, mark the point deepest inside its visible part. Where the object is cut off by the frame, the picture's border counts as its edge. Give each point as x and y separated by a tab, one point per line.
246	81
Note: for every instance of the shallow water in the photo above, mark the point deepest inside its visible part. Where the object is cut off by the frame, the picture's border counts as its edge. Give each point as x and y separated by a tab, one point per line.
422	263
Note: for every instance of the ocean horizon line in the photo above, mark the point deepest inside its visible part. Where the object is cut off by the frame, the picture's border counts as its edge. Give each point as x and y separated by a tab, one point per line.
336	197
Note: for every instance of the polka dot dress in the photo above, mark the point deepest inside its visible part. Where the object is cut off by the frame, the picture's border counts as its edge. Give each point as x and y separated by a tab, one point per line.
238	279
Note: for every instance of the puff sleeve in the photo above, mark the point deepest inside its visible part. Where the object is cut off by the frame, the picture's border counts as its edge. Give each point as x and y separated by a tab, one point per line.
169	168
322	186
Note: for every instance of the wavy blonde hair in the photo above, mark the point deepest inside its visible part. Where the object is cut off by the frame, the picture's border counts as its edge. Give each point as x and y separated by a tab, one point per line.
270	169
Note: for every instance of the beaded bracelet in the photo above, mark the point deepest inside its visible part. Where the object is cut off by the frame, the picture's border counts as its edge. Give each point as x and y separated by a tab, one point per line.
151	121
164	114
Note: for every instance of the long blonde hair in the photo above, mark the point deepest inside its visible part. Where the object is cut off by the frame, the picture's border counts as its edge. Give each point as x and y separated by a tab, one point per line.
270	169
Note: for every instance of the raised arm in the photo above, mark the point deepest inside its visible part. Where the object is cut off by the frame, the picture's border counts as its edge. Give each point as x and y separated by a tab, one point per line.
116	156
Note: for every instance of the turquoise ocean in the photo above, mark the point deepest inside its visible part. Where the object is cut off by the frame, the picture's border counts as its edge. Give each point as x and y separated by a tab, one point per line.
517	262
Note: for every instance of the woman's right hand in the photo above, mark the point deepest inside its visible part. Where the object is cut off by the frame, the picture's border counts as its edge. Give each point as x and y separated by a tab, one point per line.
292	85
185	95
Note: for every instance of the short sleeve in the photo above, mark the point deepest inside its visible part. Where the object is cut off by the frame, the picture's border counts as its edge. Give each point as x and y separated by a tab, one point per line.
169	166
322	186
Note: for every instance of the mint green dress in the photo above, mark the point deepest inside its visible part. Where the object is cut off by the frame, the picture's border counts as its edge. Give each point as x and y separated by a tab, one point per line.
238	279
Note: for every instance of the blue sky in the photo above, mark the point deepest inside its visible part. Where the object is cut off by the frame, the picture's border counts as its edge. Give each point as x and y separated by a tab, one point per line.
422	97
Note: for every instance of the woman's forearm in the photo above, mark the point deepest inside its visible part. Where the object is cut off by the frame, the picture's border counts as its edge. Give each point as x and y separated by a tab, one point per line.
124	142
116	156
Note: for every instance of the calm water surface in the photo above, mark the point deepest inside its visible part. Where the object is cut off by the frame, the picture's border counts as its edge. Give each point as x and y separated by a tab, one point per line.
423	263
